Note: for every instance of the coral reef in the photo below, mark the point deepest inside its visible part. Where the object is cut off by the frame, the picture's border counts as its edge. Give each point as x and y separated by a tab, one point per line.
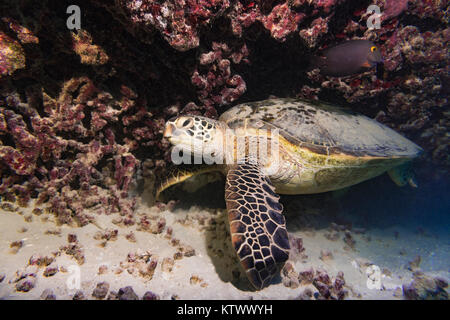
82	111
12	55
329	289
424	287
140	264
61	132
89	53
127	293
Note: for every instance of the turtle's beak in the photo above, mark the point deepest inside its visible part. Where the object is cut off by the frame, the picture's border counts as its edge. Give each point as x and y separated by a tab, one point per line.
168	130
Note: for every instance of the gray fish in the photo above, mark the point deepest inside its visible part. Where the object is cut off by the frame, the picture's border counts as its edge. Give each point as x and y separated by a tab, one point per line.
347	58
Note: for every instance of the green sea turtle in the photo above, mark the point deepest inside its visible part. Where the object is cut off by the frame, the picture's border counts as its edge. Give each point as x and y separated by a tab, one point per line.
317	148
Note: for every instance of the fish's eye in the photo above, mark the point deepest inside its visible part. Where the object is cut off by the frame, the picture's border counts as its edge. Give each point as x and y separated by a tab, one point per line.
373	49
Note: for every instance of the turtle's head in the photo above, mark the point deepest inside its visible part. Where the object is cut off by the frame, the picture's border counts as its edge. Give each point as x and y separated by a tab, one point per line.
194	133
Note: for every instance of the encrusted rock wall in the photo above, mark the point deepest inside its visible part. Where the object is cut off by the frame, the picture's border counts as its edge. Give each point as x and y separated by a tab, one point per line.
82	112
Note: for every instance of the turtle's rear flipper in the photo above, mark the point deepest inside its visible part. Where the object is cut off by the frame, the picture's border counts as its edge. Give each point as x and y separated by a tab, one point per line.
257	226
403	174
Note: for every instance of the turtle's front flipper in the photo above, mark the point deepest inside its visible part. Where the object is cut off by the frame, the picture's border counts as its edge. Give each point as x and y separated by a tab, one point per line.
403	174
182	173
257	226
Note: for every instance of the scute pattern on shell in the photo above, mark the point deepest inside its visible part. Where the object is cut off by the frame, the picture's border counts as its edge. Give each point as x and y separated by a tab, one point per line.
324	128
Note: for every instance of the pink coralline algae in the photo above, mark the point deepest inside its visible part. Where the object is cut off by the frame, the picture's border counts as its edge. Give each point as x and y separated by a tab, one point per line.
435	9
410	91
82	111
391	8
217	85
318	28
23	34
22	158
178	21
325	5
282	21
422	48
12	55
243	16
43	148
328	289
89	53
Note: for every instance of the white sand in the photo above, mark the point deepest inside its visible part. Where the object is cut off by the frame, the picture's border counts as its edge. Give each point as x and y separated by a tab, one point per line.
213	262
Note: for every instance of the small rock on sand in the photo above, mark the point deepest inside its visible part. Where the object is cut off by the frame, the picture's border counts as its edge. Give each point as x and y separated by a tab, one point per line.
101	290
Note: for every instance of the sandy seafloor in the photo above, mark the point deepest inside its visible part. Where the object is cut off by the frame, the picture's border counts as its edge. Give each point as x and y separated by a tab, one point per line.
390	226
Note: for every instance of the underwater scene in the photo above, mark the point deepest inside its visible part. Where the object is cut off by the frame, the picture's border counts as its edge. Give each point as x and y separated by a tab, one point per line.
224	150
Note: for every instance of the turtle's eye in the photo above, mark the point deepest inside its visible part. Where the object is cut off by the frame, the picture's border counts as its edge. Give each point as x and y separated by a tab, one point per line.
373	49
186	123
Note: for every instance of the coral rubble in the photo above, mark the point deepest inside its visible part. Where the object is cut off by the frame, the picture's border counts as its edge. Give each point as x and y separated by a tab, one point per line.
424	287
